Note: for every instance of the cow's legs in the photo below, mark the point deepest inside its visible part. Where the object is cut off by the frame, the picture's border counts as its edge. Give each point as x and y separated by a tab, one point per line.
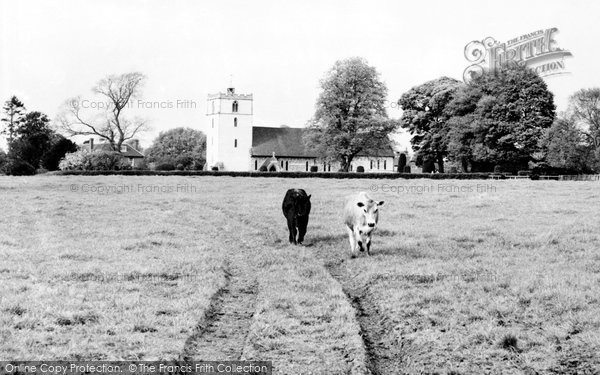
292	229
359	240
302	224
352	242
369	245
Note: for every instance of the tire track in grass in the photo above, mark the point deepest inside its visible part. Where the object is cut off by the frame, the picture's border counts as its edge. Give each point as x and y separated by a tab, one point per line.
383	358
221	333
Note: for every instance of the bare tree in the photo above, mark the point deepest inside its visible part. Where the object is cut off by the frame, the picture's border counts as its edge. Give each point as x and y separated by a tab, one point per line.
110	125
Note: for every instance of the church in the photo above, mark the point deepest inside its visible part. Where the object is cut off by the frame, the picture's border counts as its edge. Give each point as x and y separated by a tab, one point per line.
233	143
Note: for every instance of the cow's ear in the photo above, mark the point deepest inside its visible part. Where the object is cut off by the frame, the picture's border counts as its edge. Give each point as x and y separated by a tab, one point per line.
380	203
309	195
360	204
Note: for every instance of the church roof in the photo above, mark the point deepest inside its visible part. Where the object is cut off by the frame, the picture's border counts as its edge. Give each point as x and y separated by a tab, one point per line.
287	142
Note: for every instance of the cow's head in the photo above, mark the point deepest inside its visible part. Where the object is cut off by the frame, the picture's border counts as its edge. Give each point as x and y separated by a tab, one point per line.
370	213
303	205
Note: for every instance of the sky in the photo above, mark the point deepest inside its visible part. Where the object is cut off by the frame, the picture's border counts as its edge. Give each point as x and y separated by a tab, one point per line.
277	50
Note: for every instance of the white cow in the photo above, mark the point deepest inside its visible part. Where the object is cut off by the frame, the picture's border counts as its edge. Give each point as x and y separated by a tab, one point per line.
361	215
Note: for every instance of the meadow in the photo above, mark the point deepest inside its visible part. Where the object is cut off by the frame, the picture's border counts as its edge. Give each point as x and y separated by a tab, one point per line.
466	277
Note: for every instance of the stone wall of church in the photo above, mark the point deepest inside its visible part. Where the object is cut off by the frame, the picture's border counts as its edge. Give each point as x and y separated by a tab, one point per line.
284	164
371	165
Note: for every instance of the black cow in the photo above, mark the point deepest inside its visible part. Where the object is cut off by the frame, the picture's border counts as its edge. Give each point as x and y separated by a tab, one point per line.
296	208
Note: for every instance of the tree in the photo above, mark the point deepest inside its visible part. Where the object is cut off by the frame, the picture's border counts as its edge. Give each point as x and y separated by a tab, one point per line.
564	146
425	117
14	110
3	161
350	115
116	91
499	118
31	139
59	147
183	146
585	109
401	162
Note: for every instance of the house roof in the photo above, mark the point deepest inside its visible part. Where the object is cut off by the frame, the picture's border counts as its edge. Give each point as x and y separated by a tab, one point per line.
287	142
130	152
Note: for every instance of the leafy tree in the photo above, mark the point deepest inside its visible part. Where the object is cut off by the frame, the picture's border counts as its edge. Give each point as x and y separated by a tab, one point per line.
116	91
179	146
14	110
59	147
350	115
3	161
564	146
585	109
425	117
499	118
32	139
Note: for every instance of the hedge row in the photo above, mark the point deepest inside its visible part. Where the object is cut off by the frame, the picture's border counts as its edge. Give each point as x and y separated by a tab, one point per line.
336	175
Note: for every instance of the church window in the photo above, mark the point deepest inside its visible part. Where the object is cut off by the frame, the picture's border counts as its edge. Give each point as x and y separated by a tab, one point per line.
377	163
235	121
235	143
255	164
371	164
307	166
234	106
286	165
384	164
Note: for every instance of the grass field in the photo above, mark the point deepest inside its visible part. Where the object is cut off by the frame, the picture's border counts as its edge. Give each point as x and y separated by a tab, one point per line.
466	277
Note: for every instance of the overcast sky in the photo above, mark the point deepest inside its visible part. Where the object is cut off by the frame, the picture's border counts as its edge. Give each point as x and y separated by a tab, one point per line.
277	50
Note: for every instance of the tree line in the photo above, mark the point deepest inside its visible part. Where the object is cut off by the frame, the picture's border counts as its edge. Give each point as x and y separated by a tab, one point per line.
32	143
36	144
501	121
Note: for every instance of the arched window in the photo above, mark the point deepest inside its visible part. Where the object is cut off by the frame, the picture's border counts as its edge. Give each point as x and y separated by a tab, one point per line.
282	164
384	164
255	164
234	106
235	143
377	163
235	122
307	166
286	165
371	164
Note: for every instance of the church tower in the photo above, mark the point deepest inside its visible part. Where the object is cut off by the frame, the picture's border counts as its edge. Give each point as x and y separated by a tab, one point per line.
229	135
